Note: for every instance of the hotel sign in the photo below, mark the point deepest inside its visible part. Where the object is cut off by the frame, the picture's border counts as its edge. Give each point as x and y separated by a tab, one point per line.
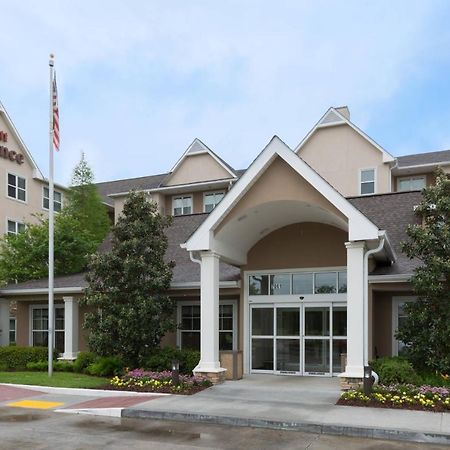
9	154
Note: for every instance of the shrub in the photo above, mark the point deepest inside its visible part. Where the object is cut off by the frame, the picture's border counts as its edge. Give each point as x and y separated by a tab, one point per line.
395	370
58	366
105	366
161	359
17	358
39	366
84	359
63	366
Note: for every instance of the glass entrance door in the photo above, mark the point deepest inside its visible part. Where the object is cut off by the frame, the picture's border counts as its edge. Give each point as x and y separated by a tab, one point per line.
287	339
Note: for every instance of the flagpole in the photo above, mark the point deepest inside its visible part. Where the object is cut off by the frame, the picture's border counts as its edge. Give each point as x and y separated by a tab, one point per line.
51	309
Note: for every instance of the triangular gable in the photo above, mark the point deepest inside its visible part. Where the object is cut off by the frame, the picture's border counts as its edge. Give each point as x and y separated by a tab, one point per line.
334	117
360	227
198	151
14	132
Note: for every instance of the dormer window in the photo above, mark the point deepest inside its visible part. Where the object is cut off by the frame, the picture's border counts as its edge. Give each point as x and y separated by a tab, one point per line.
211	200
182	205
367	181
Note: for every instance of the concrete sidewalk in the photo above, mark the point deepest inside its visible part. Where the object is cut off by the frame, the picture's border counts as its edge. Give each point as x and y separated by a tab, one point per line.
303	404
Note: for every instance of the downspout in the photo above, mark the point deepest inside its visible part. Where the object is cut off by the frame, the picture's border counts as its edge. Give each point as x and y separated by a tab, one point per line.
366	299
194	259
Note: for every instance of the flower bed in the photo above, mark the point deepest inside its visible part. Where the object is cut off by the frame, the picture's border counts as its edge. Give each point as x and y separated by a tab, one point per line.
425	398
139	380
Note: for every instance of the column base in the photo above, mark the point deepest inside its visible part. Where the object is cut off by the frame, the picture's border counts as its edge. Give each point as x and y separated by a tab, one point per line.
68	356
348	383
216	376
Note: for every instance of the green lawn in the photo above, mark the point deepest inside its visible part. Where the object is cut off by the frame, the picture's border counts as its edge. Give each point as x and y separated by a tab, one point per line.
59	379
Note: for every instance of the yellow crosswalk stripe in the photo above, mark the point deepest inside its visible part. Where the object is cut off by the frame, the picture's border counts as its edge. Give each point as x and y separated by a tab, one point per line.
35	404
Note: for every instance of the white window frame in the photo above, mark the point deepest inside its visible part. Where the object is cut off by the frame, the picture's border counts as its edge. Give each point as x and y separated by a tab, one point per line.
410	179
13	330
214	193
396	302
17	187
197	303
16	222
54	201
375	187
31	329
183	196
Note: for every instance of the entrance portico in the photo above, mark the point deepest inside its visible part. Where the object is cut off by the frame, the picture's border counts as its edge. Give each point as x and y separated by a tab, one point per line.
280	190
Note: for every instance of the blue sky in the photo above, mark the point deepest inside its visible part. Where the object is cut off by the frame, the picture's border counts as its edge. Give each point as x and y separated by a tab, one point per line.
139	80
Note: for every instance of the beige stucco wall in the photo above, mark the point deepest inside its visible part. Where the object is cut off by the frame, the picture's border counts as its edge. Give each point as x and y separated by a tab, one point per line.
300	245
120	201
14	209
196	168
338	153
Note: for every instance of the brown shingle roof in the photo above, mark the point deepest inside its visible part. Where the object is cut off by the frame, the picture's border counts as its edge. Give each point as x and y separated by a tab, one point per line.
424	158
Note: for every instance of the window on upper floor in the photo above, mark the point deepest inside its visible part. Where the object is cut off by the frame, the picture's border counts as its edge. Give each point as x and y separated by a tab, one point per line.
57	199
17	187
15	227
211	200
367	181
413	183
182	205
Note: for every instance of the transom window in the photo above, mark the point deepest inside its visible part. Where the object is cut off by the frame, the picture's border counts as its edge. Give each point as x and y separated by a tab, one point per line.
302	283
15	227
182	205
57	199
17	187
211	200
39	327
367	181
411	183
189	330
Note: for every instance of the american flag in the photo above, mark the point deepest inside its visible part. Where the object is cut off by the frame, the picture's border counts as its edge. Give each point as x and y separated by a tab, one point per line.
55	116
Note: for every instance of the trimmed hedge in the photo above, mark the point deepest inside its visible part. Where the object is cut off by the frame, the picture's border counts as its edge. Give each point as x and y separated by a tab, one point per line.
17	358
395	370
58	366
105	366
161	359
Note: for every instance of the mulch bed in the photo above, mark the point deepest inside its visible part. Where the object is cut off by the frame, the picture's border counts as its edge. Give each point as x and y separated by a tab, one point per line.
164	390
387	405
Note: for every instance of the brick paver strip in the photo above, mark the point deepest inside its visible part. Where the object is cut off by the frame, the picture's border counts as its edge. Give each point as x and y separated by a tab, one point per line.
8	393
113	402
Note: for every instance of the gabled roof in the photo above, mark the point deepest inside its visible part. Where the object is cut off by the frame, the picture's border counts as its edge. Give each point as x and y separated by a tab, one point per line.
334	117
360	227
19	140
197	147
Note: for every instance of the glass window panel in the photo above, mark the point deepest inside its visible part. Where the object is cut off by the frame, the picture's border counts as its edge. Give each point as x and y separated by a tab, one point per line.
302	283
190	339
258	285
226	323
40	338
262	354
186	210
262	321
317	355
418	183
59	318
367	175
317	321
59	341
11	191
339	350
176	211
368	188
21	182
226	340
325	283
288	355
404	185
280	284
21	195
342	285
11	227
288	321
11	179
339	321
20	227
209	207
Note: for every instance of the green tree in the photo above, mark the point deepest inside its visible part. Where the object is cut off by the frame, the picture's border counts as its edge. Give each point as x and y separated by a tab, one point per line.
85	204
127	286
426	330
25	256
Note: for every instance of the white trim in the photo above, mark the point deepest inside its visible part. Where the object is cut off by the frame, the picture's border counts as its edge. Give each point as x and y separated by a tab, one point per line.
360	227
365	169
196	285
396	301
387	157
182	196
16	221
30	320
419	166
23	202
187	153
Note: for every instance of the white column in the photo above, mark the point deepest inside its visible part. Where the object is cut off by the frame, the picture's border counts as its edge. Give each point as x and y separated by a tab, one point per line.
70	328
4	322
209	314
355	310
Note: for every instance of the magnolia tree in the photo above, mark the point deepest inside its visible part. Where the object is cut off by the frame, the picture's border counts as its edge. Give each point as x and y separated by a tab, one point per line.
128	286
426	330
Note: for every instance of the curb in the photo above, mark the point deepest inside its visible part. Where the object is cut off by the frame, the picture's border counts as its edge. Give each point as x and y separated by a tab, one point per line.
84	391
307	427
